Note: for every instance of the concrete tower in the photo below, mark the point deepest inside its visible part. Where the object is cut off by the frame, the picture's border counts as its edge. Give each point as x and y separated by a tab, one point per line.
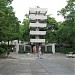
37	18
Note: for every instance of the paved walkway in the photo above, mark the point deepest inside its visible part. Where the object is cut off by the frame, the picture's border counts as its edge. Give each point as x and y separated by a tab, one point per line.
30	64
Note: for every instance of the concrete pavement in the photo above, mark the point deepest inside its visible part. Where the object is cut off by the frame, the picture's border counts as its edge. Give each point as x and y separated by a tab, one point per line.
30	64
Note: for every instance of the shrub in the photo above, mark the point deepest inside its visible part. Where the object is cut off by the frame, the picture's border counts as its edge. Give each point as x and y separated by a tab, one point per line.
66	50
3	46
2	50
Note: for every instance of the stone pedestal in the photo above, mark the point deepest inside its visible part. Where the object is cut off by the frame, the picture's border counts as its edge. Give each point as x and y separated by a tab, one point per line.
53	48
17	47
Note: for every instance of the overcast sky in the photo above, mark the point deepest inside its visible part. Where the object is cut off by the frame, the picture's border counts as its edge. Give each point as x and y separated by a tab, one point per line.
21	7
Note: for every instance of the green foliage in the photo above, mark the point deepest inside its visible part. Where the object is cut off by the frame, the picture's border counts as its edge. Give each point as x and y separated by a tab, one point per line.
3	46
66	50
68	10
52	21
50	36
8	21
2	50
24	29
67	30
51	33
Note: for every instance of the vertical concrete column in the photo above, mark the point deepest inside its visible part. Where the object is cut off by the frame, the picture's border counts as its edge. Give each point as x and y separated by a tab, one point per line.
17	47
53	48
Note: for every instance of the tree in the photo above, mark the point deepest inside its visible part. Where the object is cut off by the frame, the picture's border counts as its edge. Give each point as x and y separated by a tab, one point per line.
51	32
24	29
8	21
68	28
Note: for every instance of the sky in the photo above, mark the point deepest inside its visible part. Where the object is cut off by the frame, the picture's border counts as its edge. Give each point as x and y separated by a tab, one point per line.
21	7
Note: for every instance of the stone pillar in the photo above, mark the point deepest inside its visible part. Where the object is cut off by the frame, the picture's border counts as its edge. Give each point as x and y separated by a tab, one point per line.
53	48
17	47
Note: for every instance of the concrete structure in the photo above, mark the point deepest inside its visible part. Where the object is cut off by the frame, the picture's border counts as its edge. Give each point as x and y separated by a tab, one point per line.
23	46
52	45
37	18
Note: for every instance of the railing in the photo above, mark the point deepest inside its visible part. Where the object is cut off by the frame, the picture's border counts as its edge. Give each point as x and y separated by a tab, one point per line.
42	10
37	40
37	25
33	17
37	32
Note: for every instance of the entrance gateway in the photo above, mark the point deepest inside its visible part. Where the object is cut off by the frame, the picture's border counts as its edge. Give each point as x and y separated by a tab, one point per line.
37	19
24	48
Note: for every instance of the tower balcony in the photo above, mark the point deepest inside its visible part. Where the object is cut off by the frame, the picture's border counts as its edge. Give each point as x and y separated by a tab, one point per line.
37	40
40	25
37	32
34	17
40	10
